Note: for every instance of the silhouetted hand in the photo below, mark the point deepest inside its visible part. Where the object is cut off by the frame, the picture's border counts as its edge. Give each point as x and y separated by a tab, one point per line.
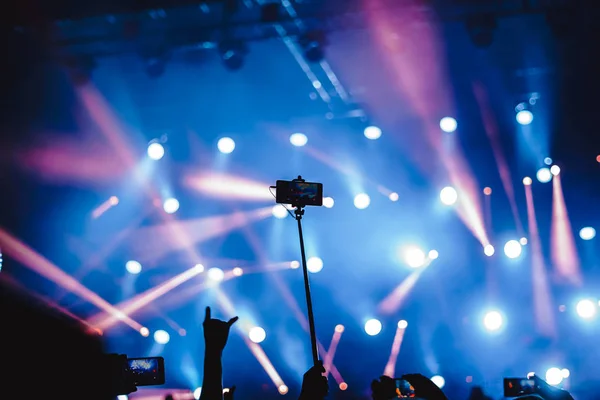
424	387
229	394
314	384
383	389
216	331
121	378
549	392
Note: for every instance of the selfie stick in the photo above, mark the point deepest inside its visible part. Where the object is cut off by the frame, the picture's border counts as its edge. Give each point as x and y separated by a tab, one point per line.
299	212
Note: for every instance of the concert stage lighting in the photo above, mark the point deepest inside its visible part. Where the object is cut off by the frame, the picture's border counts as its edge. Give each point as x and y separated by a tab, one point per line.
373	327
362	201
226	145
197	393
513	249
393	196
433	254
402	324
555	170
162	337
414	257
448	195
257	334
554	376
492	321
171	205
156	151
237	271
527	181
294	264
587	233
523	241
279	211
283	389
524	117
438	380
548	161
448	124
145	332
544	175
586	309
328	202
216	274
372	132
489	250
314	264
133	267
298	139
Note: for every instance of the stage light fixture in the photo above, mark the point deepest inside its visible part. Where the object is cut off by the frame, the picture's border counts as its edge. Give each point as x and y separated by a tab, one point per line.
548	161
233	53
448	195
362	201
171	205
489	250
438	380
313	43
145	332
586	309
493	321
279	211
373	327
513	249
587	233
133	267
555	170
402	324
393	196
298	139
226	145
372	132
257	334
197	393
216	274
554	376
414	257
314	264
155	151
544	175
283	389
448	124
433	254
328	202
527	181
162	336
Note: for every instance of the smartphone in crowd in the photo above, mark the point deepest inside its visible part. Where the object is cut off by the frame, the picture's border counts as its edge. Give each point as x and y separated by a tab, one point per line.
514	387
404	389
147	371
299	193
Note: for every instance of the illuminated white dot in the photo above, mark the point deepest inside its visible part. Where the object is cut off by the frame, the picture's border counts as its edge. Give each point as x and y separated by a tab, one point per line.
162	337
199	268
438	380
565	373
587	233
226	145
171	205
433	254
156	151
414	257
489	250
373	327
402	324
237	271
197	393
555	170
524	117
448	195
339	328
328	202
122	397
527	181
279	211
145	332
523	241
314	264
512	249
586	309
548	161
216	274
372	132
448	124
283	389
554	376
257	334
544	175
362	201
492	321
298	139
294	264
133	267
393	196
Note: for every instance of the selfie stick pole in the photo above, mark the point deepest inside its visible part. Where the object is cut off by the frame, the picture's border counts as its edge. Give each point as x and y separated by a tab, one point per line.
299	212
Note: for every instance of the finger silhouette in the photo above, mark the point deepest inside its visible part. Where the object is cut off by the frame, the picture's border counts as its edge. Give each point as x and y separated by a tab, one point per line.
207	315
232	390
232	321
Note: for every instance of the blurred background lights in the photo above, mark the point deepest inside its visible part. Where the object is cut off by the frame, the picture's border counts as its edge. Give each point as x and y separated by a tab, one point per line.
554	376
216	274
448	195
438	380
294	264
527	181
373	327
489	250
587	233
448	124
487	191
162	337
544	175
586	308
372	132
524	117
257	334
156	151
362	201
314	264
145	332
548	161
555	170
523	241
171	205
226	145
512	249
113	200
393	196
122	397
339	328
402	324
298	139
283	389
492	321
237	271
414	257
565	373
328	202
279	211
133	267
197	393
433	254
199	267
343	386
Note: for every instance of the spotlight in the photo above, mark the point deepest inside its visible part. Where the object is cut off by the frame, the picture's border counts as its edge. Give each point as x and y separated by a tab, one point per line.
155	151
527	181
314	264
133	267
489	250
587	233
372	327
294	265
544	175
372	132
402	324
565	373
226	145
523	241
216	274
555	170
512	249
328	202
393	196
237	271
448	195
197	393
279	211
122	397
586	309
145	332
487	191
433	254
113	200
339	328
554	376
298	139
524	117
283	389
448	124
362	201
257	334
548	161
343	386
414	257
438	380
162	337
199	268
171	205
492	321
233	53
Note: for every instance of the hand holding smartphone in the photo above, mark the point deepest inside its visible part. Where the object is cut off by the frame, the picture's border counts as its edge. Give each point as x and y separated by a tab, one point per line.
514	387
147	371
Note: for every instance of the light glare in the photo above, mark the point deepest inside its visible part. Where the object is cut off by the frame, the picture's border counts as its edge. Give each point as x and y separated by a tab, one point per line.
402	324
328	202
448	124
171	205
527	181
197	393
314	264
133	267
513	249
372	132
448	195
524	117
279	211
216	274
373	327
414	257
555	170
438	380
492	321
298	139
283	389
544	175
554	376
587	233
489	250
393	196
257	334
156	151
433	254
586	309
226	145
362	201
162	337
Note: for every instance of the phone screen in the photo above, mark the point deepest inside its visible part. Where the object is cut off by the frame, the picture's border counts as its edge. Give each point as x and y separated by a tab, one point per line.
514	387
299	193
404	388
147	371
